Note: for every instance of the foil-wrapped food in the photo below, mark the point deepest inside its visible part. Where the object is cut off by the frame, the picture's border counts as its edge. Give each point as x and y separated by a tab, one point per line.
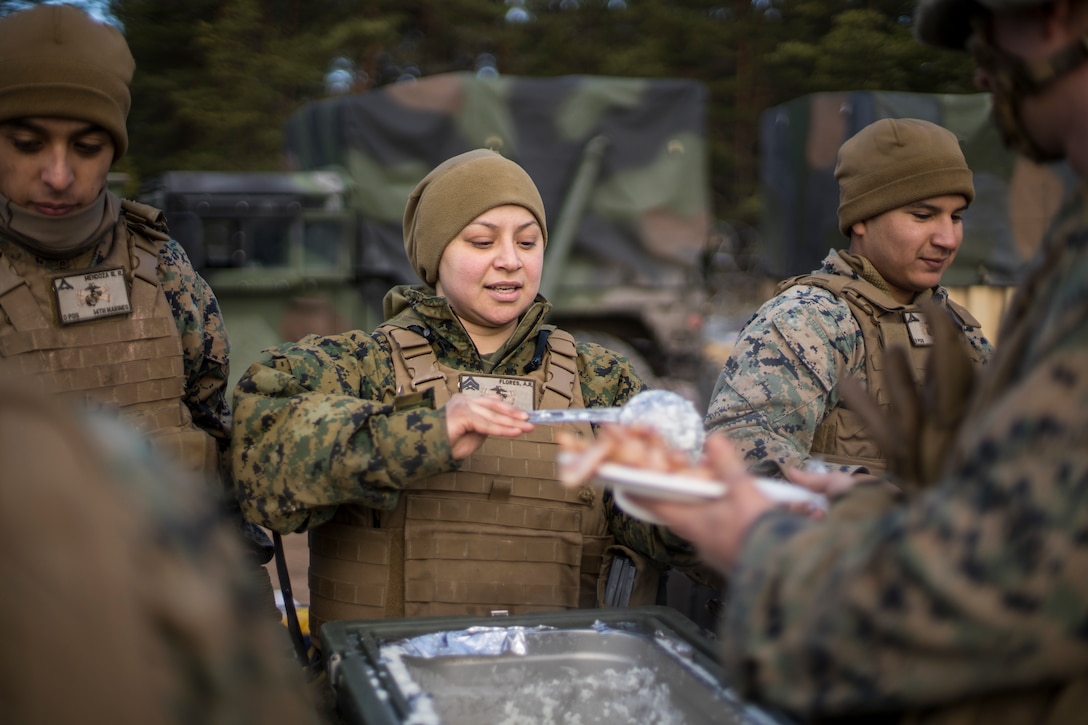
672	415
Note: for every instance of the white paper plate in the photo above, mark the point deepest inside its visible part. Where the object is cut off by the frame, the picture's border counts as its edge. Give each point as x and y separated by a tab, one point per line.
626	481
656	484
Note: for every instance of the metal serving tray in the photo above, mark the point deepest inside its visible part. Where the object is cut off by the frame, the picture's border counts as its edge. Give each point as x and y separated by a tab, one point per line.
640	665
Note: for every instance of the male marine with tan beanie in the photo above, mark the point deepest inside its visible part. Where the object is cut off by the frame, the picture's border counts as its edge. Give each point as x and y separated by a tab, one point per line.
98	305
407	454
904	185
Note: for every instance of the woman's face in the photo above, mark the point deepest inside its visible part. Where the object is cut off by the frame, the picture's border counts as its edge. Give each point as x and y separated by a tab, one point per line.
490	272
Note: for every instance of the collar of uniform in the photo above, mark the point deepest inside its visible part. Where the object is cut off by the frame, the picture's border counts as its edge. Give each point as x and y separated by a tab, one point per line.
865	269
420	303
58	237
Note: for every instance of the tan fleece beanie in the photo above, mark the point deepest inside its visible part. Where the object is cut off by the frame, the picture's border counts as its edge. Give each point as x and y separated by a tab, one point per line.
57	61
898	161
457	191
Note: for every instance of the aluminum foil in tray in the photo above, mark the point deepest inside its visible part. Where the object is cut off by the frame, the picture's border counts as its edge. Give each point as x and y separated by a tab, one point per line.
603	672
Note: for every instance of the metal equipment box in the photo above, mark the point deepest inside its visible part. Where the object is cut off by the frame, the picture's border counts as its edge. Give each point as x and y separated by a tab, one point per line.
639	665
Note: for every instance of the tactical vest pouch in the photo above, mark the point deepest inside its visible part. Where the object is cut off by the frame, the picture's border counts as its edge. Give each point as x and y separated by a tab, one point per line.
594	554
627	578
194	449
527	560
917	438
844	438
353	574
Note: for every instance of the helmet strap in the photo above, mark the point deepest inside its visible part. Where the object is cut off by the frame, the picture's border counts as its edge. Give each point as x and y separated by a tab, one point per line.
1016	79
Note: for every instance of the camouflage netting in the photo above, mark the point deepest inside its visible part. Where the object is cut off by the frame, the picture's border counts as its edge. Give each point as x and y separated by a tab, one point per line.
1015	198
646	218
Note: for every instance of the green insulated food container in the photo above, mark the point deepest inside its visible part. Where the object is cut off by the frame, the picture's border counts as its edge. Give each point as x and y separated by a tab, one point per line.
640	665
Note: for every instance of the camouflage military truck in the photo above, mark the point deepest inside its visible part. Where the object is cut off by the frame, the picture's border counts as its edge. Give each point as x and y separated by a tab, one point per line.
279	250
1015	198
621	165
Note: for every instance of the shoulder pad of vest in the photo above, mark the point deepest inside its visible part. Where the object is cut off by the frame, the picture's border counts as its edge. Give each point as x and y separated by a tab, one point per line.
850	288
403	333
963	314
402	328
146	219
561	342
393	323
830	282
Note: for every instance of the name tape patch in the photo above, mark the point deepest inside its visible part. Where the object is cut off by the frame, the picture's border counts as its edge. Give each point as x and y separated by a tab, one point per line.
92	295
918	329
515	391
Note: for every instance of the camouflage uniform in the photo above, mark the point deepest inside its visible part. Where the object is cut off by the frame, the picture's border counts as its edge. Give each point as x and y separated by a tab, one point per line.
316	425
975	591
781	379
125	595
199	322
203	337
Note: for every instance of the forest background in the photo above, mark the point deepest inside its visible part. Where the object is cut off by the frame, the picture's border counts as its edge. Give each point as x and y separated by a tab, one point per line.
216	79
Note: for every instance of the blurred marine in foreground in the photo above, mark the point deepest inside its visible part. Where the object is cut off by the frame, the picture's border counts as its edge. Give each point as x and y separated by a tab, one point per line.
124	596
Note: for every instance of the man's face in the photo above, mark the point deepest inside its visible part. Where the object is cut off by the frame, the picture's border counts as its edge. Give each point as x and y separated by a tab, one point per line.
53	166
913	245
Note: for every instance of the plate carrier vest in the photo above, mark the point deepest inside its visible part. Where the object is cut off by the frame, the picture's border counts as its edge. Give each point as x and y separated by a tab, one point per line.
842	437
500	534
132	363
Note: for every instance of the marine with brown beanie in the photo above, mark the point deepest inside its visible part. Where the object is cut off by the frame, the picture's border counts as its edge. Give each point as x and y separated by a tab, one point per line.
133	588
904	184
406	453
98	305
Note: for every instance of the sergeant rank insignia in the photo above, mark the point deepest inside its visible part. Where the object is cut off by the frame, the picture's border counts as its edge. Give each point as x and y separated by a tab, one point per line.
519	392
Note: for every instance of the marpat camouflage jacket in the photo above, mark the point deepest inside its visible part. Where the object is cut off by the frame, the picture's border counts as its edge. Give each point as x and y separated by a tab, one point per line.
781	379
315	424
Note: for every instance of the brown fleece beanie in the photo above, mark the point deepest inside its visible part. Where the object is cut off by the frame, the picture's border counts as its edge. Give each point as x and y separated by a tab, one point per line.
457	191
898	161
57	61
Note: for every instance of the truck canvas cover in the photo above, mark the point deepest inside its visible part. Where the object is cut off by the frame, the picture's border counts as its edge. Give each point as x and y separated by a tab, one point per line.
642	218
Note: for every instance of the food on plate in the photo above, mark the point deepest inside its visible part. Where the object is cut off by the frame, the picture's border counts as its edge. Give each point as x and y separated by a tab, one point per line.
623	457
636	446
